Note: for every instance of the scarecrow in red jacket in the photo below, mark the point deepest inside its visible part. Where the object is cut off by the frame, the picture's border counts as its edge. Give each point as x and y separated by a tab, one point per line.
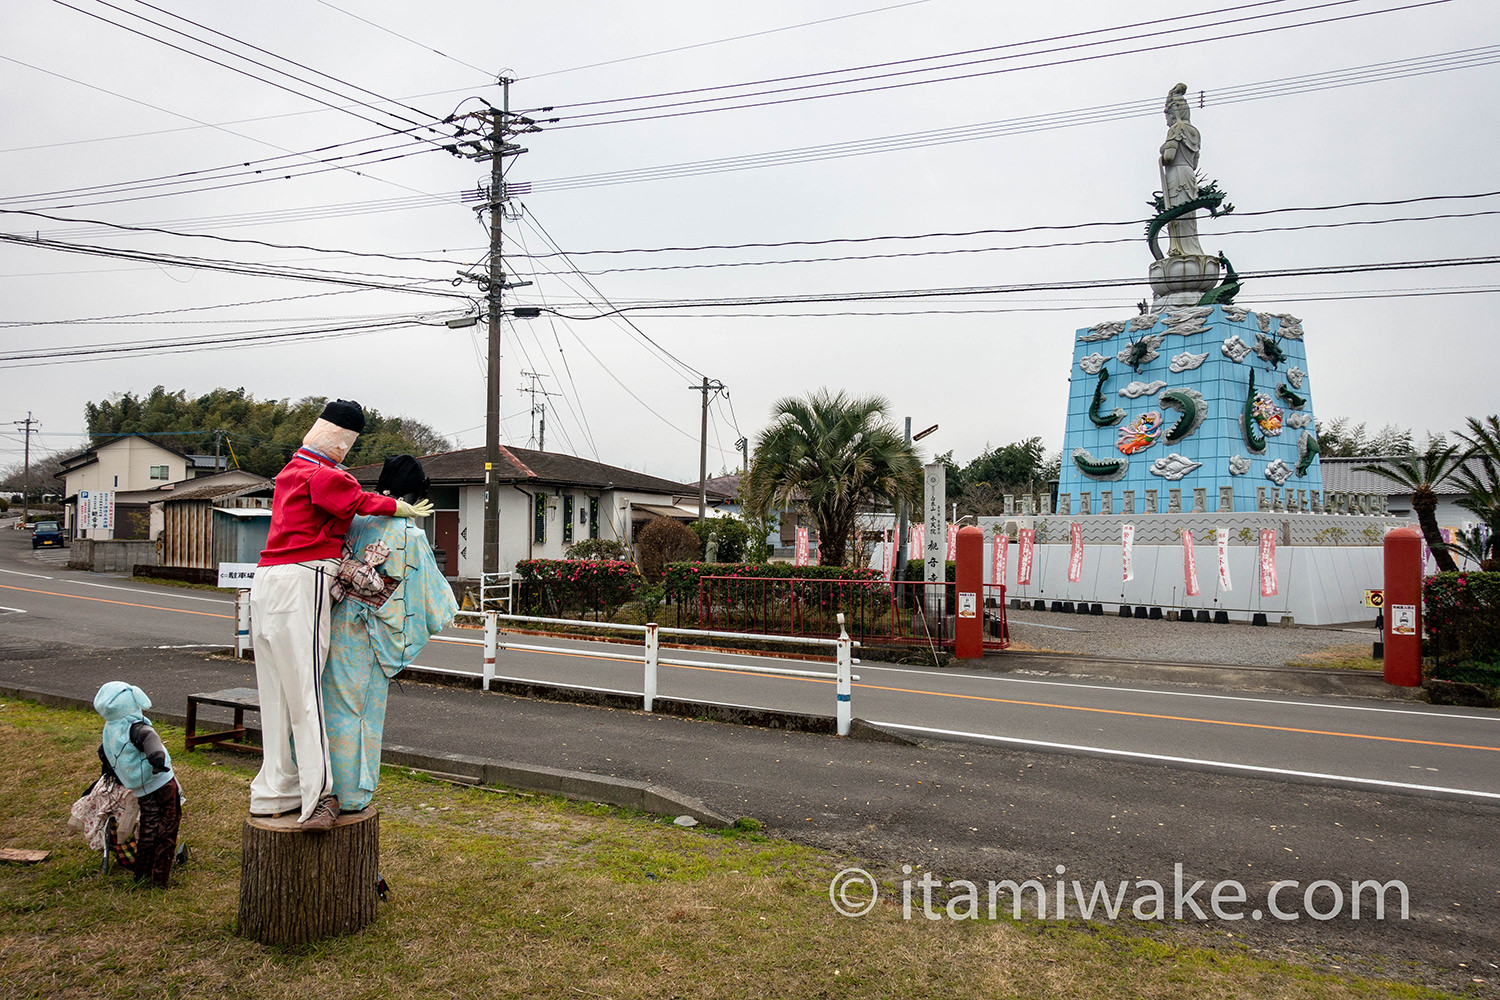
290	601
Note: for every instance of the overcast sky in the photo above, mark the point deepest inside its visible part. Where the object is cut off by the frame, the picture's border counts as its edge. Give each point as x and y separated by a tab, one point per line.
1011	144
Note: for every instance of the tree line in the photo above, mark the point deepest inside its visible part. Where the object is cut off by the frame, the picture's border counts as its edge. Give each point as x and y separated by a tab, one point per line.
257	435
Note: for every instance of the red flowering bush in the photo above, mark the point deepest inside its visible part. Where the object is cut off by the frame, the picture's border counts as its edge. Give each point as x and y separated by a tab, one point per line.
557	586
1461	612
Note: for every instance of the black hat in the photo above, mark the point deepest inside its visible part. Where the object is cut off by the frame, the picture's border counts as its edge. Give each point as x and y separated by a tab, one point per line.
346	414
402	477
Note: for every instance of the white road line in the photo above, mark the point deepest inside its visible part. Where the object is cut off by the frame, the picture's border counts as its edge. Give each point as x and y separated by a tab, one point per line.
1277	771
139	592
34	576
1186	694
16	611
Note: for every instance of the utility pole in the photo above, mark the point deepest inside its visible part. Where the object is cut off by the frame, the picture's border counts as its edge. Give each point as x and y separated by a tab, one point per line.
709	390
25	426
486	135
536	408
743	444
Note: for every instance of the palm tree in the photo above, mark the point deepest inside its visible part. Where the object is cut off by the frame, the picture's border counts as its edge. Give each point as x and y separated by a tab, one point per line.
1422	474
1482	485
836	454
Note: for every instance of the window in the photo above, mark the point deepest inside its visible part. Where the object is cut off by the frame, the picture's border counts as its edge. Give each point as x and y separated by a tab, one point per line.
540	518
593	517
568	518
161	472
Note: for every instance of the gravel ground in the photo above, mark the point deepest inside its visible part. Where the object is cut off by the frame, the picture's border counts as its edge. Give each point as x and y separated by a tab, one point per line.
1142	639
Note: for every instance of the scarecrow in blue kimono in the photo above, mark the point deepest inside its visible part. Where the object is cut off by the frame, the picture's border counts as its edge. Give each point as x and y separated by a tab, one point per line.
391	597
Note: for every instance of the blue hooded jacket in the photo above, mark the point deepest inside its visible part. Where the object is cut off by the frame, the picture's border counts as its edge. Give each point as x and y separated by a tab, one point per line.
122	706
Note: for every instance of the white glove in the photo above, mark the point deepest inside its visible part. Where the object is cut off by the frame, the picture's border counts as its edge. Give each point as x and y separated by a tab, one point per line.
419	509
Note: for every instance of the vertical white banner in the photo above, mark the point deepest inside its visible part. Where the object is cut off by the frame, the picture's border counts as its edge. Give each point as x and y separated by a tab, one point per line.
1127	549
915	535
1268	562
1075	552
1223	537
888	553
1189	565
952	542
801	546
934	568
1025	555
1002	549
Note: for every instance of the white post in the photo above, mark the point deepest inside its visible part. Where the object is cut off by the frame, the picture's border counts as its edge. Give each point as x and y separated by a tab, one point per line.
845	676
653	650
491	628
241	622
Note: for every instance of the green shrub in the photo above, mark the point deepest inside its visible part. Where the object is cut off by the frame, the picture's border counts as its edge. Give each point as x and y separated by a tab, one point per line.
555	586
599	548
1461	612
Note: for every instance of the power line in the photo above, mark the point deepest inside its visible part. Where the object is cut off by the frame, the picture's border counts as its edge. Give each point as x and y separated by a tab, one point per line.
1282	87
993	72
954	292
230	239
718	41
388	31
254	62
1067	244
351	279
641	334
1010	231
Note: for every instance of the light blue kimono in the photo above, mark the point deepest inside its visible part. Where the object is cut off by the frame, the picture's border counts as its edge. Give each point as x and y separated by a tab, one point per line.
368	647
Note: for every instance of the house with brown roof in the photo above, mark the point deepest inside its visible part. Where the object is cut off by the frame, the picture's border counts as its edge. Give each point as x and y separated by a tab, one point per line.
548	501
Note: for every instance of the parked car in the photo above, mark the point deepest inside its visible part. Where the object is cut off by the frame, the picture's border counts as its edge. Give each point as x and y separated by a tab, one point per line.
47	533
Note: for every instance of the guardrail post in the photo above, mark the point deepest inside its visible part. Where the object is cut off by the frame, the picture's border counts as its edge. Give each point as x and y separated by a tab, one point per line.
653	649
241	622
491	630
845	672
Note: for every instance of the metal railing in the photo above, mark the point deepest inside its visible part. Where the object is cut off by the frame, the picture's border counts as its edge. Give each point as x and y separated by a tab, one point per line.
650	655
877	611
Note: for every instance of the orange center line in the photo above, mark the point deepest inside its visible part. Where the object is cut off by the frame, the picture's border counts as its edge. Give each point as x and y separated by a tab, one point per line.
1183	718
102	600
1105	711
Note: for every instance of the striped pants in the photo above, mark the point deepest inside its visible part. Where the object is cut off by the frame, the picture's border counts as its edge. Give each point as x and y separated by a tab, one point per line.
289	608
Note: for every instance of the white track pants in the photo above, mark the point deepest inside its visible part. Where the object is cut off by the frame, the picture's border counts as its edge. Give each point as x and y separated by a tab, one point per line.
289	609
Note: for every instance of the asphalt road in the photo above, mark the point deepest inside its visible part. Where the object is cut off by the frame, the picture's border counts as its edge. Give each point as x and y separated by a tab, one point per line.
965	807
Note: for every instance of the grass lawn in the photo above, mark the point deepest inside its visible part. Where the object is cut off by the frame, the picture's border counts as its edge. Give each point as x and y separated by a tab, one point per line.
501	894
1348	656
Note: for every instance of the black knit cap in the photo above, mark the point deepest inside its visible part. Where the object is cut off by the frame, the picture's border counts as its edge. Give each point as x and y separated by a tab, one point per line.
345	413
402	477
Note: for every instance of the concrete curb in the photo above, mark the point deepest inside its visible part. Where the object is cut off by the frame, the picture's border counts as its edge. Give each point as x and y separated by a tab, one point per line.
579	785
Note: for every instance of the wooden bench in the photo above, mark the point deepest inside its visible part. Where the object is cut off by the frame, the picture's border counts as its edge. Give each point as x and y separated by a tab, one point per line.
238	699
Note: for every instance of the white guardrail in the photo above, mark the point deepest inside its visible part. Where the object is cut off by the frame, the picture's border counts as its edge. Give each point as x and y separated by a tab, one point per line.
843	675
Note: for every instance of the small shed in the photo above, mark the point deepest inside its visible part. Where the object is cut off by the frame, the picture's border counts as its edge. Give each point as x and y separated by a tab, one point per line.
222	522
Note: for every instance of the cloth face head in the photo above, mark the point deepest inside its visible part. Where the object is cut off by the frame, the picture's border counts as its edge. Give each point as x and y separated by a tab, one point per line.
330	439
346	413
118	700
402	477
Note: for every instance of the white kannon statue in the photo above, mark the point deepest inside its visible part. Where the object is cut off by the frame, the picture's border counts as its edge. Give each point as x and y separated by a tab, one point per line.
1179	173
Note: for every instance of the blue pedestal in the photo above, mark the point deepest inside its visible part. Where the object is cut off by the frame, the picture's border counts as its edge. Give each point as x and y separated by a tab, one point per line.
1191	364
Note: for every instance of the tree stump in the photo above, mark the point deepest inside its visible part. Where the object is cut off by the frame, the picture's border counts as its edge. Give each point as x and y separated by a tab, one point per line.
298	886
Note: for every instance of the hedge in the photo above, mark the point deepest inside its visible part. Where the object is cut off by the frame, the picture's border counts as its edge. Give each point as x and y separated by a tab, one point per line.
682	577
1462	616
558	584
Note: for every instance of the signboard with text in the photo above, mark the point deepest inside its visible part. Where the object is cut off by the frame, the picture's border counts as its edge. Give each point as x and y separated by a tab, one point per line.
96	510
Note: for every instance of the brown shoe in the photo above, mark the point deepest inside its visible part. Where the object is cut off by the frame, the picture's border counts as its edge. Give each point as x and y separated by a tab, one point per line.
323	814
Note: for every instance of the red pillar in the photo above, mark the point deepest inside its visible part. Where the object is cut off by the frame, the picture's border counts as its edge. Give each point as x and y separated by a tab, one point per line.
1403	607
969	577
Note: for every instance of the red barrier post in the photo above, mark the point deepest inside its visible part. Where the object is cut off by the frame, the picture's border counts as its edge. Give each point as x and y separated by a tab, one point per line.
969	577
1403	607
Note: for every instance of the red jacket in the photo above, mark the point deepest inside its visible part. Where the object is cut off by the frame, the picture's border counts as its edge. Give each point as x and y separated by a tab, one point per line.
314	502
